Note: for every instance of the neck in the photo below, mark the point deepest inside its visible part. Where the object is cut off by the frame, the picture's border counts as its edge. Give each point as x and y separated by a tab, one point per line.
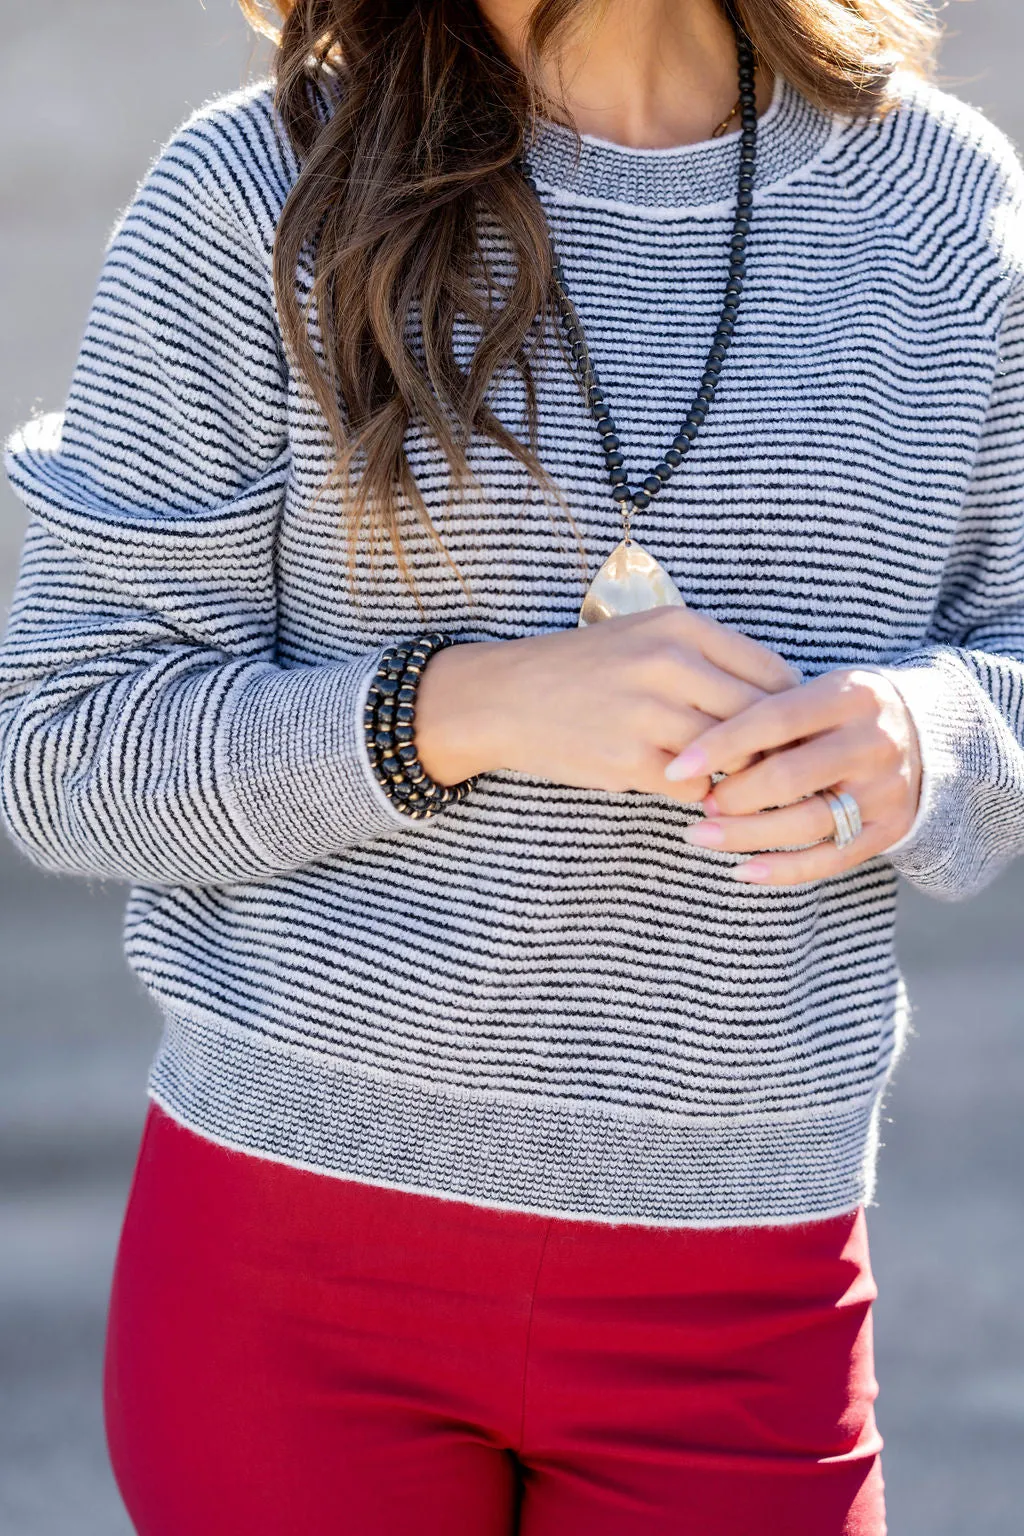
647	74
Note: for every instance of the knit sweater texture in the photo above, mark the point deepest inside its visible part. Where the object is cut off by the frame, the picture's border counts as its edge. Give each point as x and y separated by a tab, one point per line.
543	998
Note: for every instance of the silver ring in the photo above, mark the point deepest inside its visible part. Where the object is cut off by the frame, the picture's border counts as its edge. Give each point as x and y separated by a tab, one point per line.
846	817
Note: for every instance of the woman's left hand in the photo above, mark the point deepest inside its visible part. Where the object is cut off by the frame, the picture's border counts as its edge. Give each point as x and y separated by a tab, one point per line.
847	730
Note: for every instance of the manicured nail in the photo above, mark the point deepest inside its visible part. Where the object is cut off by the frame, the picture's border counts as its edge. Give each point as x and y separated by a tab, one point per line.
704	834
754	872
690	764
709	805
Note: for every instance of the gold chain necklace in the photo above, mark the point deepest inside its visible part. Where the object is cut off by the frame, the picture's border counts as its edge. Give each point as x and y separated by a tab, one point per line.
723	125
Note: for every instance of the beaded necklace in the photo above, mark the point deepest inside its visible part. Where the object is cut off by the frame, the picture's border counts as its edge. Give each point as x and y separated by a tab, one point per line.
631	579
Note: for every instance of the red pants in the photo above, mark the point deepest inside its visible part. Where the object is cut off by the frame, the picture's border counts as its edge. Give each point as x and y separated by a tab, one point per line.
296	1355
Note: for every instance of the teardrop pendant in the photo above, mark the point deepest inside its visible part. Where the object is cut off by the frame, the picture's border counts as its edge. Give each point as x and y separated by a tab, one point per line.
630	581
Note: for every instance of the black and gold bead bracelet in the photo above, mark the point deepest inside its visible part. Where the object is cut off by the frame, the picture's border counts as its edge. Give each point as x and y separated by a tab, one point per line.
390	724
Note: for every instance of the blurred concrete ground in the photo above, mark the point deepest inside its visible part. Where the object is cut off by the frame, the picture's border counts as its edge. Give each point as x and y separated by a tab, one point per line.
77	1033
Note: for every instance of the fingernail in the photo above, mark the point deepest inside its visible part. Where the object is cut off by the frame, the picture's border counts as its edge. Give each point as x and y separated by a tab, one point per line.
690	764
754	872
795	672
704	834
710	806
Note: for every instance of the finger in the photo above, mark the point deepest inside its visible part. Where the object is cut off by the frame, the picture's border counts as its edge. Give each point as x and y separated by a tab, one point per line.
670	726
649	778
770	723
736	653
791	775
653	781
689	792
695	681
794	826
821	862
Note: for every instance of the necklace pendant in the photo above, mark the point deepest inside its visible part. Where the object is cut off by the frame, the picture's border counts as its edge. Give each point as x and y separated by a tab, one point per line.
630	581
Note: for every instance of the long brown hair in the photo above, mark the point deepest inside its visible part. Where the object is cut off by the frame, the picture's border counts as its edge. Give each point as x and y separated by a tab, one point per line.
416	158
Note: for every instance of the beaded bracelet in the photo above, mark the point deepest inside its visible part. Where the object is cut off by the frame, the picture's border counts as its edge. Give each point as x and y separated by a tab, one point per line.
389	721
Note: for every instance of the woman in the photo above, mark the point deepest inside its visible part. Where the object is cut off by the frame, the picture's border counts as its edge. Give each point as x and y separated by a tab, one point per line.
528	998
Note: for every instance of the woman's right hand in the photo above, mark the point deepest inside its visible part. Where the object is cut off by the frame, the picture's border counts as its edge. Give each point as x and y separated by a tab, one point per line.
605	707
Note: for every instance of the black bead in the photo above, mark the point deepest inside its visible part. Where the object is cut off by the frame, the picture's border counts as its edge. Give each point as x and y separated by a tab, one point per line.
707	395
384	739
652	484
405	714
614	460
663	471
403	733
618	476
610	442
407	753
620	493
674	457
388	686
641	500
605	425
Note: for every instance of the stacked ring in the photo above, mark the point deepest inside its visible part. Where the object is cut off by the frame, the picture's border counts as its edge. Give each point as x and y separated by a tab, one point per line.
389	723
846	817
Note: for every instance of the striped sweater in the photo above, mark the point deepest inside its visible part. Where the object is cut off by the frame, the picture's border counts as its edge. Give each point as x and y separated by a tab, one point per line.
542	999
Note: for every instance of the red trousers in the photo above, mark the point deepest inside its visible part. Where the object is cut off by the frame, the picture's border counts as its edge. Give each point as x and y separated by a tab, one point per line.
296	1355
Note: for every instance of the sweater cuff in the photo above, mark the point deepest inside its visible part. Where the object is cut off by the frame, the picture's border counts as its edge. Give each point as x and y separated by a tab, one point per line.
295	758
938	700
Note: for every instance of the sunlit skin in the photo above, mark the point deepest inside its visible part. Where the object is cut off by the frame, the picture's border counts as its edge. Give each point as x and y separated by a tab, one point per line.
648	74
663	701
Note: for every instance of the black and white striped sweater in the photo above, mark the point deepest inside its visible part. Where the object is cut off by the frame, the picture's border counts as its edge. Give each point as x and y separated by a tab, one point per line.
542	999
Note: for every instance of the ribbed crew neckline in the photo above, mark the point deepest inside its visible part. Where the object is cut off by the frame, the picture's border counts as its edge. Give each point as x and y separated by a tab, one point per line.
791	133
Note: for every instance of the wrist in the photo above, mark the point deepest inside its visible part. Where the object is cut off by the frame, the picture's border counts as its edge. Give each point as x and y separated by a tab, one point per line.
460	721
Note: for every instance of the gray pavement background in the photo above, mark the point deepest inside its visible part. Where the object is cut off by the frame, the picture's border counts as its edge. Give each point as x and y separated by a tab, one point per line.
87	95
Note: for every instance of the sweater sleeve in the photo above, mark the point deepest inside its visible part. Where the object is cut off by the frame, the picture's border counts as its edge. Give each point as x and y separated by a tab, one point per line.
147	731
965	691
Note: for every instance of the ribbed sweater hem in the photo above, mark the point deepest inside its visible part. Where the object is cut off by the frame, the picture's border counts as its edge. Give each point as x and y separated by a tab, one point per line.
575	1163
